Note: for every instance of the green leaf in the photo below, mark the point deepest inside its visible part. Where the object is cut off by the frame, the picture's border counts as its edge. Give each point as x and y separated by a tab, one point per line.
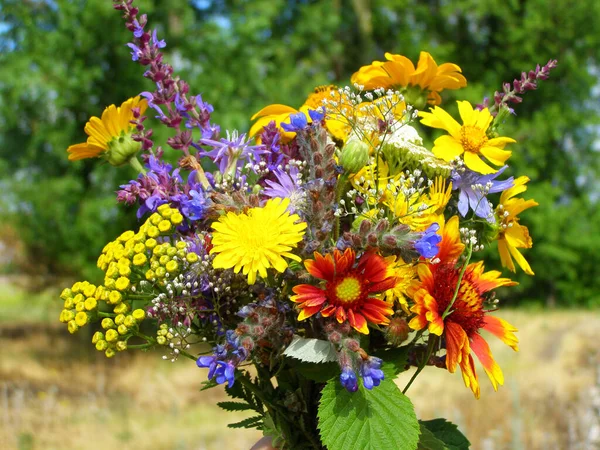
250	422
234	406
208	384
396	356
311	350
428	441
448	433
320	373
375	419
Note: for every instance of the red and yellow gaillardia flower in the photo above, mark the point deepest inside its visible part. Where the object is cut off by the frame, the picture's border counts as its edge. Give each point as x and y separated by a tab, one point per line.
348	289
512	235
399	72
110	135
460	322
469	139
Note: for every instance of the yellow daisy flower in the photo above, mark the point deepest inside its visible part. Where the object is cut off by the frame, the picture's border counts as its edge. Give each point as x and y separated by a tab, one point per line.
512	234
281	113
404	275
258	240
399	72
469	139
110	136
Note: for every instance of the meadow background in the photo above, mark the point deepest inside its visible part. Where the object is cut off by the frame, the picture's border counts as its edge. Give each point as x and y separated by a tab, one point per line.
62	61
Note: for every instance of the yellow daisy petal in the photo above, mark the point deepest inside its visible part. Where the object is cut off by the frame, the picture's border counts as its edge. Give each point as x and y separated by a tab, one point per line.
476	164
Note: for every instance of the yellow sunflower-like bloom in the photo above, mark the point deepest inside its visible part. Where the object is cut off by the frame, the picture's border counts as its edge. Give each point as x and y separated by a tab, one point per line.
110	135
404	275
512	234
470	139
281	113
399	72
258	240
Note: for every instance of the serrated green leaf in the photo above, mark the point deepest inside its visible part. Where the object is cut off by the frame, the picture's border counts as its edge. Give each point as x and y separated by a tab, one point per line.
234	406
311	350
448	433
428	441
250	422
381	418
208	384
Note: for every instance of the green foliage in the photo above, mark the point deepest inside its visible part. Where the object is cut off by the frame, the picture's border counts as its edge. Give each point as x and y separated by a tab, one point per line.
428	441
395	357
63	61
311	350
234	406
250	422
367	419
319	372
445	432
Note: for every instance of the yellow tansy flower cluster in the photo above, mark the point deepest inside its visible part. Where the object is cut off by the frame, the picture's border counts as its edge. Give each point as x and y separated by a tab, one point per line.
130	258
118	330
81	303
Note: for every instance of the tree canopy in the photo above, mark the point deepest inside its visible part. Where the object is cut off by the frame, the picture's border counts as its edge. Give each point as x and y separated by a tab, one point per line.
63	61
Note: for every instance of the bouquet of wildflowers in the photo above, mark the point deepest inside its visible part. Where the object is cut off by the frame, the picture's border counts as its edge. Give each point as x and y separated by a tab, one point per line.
308	262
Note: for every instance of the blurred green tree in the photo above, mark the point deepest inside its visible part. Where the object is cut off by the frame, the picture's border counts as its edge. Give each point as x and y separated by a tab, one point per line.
62	61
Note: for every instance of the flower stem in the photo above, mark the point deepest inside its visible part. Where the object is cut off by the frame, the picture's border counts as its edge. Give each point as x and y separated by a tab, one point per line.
431	343
137	165
339	191
448	310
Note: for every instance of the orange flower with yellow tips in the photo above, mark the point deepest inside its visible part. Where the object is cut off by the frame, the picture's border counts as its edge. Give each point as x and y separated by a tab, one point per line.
460	322
512	234
281	113
348	289
110	135
399	72
469	139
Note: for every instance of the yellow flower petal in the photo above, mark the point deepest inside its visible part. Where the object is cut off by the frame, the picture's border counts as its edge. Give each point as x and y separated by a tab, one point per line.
495	155
476	164
467	114
438	118
273	110
447	148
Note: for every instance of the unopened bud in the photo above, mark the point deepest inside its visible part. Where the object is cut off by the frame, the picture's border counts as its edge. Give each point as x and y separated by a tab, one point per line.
365	227
121	150
397	331
352	345
355	156
335	337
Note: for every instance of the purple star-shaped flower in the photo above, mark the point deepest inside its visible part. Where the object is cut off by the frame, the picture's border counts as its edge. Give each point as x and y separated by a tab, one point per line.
472	187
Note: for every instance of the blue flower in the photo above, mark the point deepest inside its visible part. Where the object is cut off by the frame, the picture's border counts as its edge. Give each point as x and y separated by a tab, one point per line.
472	187
231	152
370	372
348	379
195	207
317	115
159	44
287	186
429	242
150	98
138	30
297	122
136	53
222	364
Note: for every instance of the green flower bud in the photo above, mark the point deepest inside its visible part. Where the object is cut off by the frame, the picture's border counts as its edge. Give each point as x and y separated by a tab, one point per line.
355	156
121	150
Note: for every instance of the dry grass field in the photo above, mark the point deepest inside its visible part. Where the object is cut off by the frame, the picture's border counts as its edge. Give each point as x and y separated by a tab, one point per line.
57	393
